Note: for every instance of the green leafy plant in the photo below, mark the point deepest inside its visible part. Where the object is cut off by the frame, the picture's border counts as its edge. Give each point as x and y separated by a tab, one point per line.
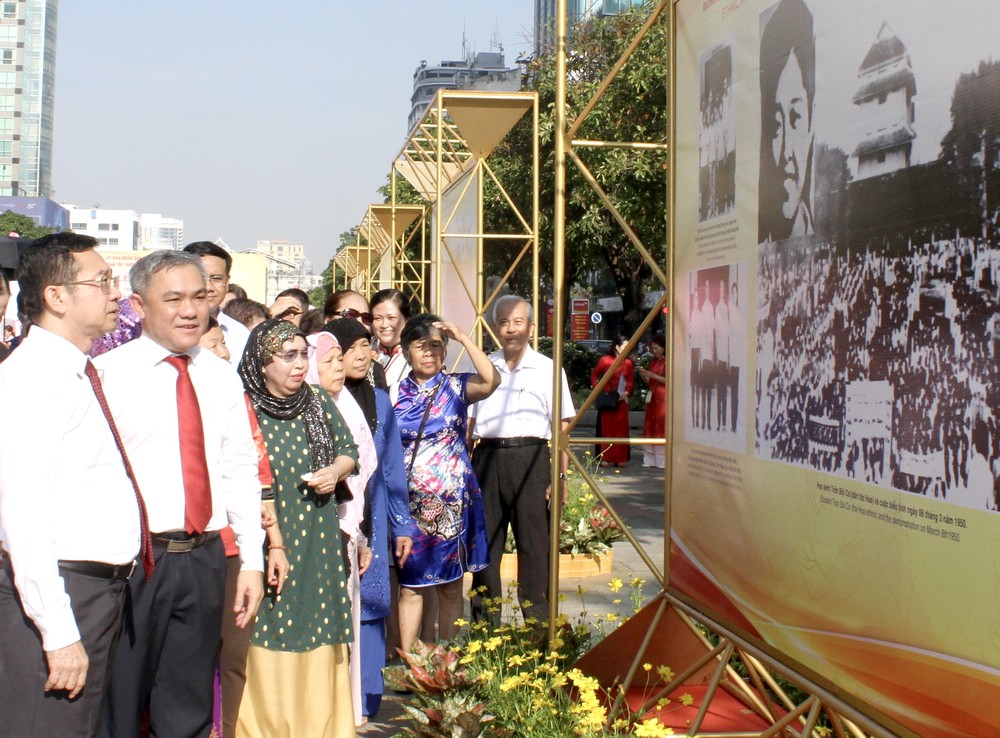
443	702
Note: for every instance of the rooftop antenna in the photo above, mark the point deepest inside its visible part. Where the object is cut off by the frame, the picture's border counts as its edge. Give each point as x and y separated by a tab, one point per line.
495	42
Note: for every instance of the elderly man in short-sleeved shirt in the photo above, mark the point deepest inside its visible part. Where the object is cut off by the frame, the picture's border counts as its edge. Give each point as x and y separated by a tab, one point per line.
512	458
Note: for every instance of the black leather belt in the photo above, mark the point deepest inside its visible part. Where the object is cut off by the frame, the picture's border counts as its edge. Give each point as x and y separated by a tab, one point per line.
112	572
181	542
512	442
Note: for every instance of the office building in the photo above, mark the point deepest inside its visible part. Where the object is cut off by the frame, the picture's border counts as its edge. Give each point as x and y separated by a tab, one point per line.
576	11
127	230
160	232
484	71
287	267
27	95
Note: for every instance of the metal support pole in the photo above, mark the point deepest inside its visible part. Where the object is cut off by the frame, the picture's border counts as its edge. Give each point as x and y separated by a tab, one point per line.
561	442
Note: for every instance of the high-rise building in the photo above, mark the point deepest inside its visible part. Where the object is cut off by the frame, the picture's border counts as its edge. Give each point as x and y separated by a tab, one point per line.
160	232
27	84
576	11
484	71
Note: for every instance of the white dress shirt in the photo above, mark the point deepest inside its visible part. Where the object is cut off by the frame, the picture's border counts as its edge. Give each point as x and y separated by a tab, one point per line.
64	492
522	405
142	390
396	370
237	336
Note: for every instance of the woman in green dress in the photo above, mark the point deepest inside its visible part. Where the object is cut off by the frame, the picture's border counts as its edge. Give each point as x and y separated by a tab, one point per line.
298	682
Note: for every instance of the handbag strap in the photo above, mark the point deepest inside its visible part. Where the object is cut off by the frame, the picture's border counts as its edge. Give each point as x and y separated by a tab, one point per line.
423	423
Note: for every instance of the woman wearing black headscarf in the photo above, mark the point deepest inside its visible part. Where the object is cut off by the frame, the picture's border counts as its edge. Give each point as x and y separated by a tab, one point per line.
297	669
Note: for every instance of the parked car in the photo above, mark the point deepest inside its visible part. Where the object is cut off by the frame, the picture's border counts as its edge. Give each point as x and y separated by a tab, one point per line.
597	345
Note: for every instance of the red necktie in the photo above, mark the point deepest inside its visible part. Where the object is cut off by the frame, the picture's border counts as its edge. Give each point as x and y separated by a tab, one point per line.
197	488
145	541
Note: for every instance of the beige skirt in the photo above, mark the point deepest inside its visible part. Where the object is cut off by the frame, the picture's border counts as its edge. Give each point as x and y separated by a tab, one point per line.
292	695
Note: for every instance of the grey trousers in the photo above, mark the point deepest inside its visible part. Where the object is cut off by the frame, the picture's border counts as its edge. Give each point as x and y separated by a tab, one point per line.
26	709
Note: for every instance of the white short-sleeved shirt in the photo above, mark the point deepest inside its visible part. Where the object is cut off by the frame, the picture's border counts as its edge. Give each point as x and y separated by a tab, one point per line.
522	405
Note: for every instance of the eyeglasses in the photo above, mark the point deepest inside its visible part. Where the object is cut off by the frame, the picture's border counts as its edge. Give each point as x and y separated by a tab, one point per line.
366	318
104	282
289	357
216	278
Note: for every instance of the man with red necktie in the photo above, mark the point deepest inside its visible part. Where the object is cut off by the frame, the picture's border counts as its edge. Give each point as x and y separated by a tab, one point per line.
183	421
71	519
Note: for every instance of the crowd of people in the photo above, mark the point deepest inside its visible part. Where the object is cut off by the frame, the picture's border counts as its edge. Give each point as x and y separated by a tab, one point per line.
243	494
881	364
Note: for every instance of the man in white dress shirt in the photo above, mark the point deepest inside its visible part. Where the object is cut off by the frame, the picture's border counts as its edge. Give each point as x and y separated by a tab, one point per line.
512	458
218	263
69	517
169	648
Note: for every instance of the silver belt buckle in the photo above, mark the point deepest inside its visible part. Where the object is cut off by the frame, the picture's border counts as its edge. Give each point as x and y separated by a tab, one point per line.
180	546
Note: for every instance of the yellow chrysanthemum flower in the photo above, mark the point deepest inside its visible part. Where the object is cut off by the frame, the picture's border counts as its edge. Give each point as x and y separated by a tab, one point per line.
665	672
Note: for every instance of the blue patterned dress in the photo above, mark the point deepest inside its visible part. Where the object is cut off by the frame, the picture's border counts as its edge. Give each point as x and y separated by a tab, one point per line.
444	495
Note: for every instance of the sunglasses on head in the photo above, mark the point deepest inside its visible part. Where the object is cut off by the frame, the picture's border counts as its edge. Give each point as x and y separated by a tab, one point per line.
365	318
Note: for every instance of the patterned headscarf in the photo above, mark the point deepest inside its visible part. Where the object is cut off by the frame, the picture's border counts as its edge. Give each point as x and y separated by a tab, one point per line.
266	340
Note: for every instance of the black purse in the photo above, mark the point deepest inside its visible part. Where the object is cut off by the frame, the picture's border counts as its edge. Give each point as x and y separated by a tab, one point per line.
606	401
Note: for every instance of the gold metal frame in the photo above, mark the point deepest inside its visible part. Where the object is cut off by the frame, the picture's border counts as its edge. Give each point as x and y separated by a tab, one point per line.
390	251
450	148
761	691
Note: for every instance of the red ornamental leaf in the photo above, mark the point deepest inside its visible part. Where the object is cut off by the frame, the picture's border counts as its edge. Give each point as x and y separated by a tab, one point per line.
424	680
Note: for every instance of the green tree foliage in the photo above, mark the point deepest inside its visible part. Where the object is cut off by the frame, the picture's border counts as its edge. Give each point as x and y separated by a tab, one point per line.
634	109
333	277
11	222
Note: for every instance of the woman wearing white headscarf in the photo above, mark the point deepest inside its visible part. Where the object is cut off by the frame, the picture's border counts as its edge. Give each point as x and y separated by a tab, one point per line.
387	521
327	370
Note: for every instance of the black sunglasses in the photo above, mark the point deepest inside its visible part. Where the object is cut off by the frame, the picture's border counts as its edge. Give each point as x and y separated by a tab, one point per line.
366	318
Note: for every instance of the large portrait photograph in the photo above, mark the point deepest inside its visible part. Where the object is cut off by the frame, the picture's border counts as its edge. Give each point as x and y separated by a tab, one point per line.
878	269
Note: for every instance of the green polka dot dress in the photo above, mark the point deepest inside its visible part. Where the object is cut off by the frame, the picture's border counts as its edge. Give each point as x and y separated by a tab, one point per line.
313	608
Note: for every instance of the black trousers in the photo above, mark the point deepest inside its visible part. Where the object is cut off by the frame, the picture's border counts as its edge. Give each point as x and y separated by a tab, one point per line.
26	709
513	482
169	647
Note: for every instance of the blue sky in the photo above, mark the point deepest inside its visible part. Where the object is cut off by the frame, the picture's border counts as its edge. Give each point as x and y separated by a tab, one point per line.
251	120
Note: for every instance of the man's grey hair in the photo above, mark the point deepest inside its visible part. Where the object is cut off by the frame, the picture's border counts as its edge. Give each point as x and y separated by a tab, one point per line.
511	299
142	272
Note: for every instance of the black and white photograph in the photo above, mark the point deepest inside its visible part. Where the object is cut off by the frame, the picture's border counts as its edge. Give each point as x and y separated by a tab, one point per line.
717	135
878	330
787	134
716	406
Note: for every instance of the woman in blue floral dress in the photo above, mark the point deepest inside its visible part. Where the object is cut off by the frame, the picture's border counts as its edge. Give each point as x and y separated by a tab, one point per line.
444	495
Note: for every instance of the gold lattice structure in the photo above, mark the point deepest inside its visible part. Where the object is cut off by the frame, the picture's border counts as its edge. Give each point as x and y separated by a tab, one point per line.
446	160
389	250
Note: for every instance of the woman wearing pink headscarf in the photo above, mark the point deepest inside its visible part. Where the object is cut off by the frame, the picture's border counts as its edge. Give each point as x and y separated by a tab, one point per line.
385	515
